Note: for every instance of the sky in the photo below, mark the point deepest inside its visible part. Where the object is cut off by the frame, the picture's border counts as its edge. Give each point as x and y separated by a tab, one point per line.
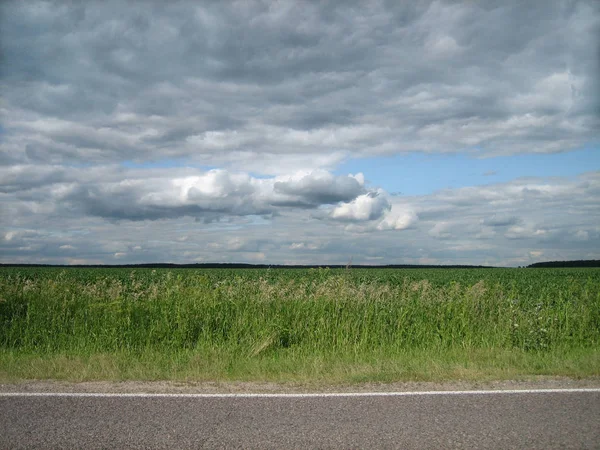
291	132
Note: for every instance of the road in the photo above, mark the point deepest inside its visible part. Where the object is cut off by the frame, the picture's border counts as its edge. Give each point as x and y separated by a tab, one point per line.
478	420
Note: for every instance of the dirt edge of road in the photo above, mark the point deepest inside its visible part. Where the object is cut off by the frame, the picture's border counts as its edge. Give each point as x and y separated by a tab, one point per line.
216	387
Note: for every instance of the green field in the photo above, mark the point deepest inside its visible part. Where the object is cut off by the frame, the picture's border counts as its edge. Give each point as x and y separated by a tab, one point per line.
313	325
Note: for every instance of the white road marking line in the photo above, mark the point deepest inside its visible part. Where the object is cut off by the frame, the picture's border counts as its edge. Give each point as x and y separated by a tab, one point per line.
298	395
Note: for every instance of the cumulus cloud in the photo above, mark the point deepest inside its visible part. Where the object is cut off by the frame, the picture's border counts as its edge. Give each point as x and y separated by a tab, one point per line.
163	193
319	187
368	206
392	219
397	220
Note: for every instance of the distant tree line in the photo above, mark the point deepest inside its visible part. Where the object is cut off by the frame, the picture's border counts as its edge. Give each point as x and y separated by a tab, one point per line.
578	263
249	266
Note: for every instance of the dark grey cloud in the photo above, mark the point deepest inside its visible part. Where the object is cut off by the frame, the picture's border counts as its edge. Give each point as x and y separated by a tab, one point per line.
24	178
500	221
318	188
268	85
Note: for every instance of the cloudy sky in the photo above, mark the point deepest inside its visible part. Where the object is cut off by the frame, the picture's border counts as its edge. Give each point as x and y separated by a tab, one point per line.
433	132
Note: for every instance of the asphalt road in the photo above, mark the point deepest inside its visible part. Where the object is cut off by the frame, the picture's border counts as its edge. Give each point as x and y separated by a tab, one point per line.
440	421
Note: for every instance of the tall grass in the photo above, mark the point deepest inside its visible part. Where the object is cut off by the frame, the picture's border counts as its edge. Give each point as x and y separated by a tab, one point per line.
340	315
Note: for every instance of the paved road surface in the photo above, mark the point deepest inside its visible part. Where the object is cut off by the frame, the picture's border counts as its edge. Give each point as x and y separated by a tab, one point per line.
467	420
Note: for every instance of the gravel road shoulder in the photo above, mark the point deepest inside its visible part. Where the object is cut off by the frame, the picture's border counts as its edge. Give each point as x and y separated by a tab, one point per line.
265	387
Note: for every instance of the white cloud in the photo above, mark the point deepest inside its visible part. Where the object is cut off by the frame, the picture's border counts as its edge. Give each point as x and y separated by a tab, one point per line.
304	246
397	220
527	231
365	207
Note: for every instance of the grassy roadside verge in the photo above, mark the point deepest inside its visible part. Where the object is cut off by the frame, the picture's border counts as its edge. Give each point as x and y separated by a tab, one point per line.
294	326
435	366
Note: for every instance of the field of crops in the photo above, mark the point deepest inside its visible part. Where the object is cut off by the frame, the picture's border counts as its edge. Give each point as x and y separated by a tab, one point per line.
348	325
